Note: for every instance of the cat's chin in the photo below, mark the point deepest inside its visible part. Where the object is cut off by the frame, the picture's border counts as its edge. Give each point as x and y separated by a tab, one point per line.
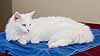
23	33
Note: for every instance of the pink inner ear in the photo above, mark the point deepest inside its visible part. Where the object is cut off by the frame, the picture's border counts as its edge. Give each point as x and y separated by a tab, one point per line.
17	18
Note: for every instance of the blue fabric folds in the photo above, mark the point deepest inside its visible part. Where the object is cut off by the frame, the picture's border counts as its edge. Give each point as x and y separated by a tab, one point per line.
41	49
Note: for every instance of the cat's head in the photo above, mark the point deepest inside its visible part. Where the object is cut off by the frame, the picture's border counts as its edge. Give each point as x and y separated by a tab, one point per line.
22	21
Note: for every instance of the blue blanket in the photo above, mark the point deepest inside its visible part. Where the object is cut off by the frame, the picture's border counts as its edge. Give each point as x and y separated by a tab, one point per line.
41	49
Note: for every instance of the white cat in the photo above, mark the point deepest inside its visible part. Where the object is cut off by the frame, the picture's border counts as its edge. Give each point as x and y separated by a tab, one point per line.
18	27
58	31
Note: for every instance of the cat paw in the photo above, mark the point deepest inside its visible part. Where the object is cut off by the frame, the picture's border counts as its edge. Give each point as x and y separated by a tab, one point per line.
22	41
35	42
51	46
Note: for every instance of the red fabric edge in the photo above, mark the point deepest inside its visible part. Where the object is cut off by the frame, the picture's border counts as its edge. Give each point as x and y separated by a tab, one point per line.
91	52
92	25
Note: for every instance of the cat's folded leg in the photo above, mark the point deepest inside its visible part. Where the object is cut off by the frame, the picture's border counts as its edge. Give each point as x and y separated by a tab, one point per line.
60	39
60	42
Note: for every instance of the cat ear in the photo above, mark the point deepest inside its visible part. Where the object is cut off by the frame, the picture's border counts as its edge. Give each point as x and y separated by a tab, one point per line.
17	16
30	13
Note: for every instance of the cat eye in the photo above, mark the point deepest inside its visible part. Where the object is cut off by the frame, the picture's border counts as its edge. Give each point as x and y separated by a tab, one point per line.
23	24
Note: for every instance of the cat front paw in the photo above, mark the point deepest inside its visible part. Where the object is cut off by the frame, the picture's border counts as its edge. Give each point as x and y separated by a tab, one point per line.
34	41
22	41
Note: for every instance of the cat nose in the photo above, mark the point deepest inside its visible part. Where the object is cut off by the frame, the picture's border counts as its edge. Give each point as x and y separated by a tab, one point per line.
28	30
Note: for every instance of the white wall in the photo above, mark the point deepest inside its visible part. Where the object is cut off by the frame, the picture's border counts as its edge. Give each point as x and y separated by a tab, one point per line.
80	10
